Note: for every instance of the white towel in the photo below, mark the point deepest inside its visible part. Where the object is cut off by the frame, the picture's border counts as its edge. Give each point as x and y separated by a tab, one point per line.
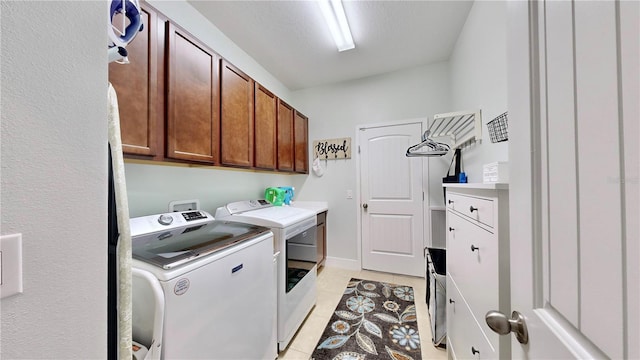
124	241
317	167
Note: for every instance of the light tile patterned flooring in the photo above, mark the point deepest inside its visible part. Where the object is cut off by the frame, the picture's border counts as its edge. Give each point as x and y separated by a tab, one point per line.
331	283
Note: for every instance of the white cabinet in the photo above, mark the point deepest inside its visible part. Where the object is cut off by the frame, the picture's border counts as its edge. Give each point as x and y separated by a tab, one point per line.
477	269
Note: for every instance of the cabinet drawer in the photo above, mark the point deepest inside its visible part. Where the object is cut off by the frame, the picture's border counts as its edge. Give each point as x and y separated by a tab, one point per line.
475	271
478	209
465	337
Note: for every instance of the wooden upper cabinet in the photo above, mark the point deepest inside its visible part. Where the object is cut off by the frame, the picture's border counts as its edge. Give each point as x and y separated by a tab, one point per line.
193	122
181	101
301	138
266	112
236	112
285	136
136	85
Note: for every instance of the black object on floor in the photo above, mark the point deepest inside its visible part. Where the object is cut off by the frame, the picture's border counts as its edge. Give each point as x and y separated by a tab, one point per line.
437	294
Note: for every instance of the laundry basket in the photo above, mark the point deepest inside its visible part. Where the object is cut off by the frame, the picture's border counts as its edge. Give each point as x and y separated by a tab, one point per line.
437	294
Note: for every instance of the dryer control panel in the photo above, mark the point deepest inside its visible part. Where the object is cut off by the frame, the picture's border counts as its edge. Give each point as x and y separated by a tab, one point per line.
242	206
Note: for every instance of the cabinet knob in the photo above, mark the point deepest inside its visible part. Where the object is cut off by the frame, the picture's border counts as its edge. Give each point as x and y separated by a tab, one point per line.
451	229
474	248
365	206
451	301
472	209
474	351
450	201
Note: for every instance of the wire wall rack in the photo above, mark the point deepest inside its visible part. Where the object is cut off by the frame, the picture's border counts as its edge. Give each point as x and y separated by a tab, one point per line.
498	128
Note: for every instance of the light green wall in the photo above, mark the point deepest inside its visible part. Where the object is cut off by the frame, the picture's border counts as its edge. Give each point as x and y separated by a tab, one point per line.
151	187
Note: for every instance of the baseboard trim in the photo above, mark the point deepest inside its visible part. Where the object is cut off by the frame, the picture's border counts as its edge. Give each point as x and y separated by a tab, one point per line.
348	264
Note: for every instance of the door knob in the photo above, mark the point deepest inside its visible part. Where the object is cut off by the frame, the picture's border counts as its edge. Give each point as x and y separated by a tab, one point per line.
499	323
365	206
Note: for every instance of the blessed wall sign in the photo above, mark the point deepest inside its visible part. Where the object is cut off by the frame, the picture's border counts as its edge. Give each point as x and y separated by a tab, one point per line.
332	149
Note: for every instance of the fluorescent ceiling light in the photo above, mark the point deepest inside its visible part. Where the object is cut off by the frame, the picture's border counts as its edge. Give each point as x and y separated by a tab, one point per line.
337	21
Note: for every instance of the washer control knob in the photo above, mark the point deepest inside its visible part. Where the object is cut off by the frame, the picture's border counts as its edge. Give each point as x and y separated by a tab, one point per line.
165	219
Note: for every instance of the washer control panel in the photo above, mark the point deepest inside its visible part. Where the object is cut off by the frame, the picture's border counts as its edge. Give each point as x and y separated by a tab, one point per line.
167	221
194	215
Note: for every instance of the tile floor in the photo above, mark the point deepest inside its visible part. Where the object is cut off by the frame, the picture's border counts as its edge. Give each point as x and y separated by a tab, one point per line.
331	283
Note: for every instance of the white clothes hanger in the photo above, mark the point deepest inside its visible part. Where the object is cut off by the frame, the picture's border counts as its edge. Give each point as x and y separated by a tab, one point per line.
433	148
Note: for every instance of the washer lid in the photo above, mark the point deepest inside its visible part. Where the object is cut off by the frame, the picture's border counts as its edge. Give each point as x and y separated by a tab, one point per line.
181	245
274	216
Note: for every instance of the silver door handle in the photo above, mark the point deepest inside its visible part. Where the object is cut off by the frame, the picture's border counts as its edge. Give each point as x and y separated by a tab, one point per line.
365	206
499	323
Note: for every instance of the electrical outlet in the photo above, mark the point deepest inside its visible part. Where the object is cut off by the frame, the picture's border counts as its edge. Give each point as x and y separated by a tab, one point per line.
349	194
11	265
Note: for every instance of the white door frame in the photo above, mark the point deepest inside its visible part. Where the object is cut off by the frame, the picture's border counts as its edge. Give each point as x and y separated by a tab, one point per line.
426	213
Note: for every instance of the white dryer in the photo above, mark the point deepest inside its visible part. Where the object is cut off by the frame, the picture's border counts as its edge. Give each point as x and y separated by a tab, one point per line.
294	236
213	281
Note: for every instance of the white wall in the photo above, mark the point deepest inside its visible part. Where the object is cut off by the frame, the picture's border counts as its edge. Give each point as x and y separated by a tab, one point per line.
335	111
54	177
479	79
150	188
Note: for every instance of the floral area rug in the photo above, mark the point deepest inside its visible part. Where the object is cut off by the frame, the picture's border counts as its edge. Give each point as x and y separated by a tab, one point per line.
374	320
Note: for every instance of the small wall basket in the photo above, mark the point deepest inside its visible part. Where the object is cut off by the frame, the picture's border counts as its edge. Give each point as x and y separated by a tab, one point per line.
498	128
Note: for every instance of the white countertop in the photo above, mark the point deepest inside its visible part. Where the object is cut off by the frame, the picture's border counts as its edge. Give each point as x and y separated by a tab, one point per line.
490	186
317	206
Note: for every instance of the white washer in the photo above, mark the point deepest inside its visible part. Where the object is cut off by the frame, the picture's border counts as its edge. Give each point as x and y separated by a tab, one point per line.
294	236
215	280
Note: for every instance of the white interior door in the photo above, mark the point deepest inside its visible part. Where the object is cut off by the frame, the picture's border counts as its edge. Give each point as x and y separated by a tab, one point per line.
573	148
391	198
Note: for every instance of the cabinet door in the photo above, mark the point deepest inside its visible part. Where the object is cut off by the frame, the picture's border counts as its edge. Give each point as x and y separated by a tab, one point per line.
285	136
236	96
472	262
192	99
300	126
266	109
136	84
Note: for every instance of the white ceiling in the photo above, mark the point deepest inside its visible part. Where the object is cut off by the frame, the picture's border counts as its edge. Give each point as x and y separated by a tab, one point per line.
291	41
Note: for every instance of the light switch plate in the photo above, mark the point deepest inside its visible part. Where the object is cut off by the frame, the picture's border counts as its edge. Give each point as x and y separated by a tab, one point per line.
11	263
